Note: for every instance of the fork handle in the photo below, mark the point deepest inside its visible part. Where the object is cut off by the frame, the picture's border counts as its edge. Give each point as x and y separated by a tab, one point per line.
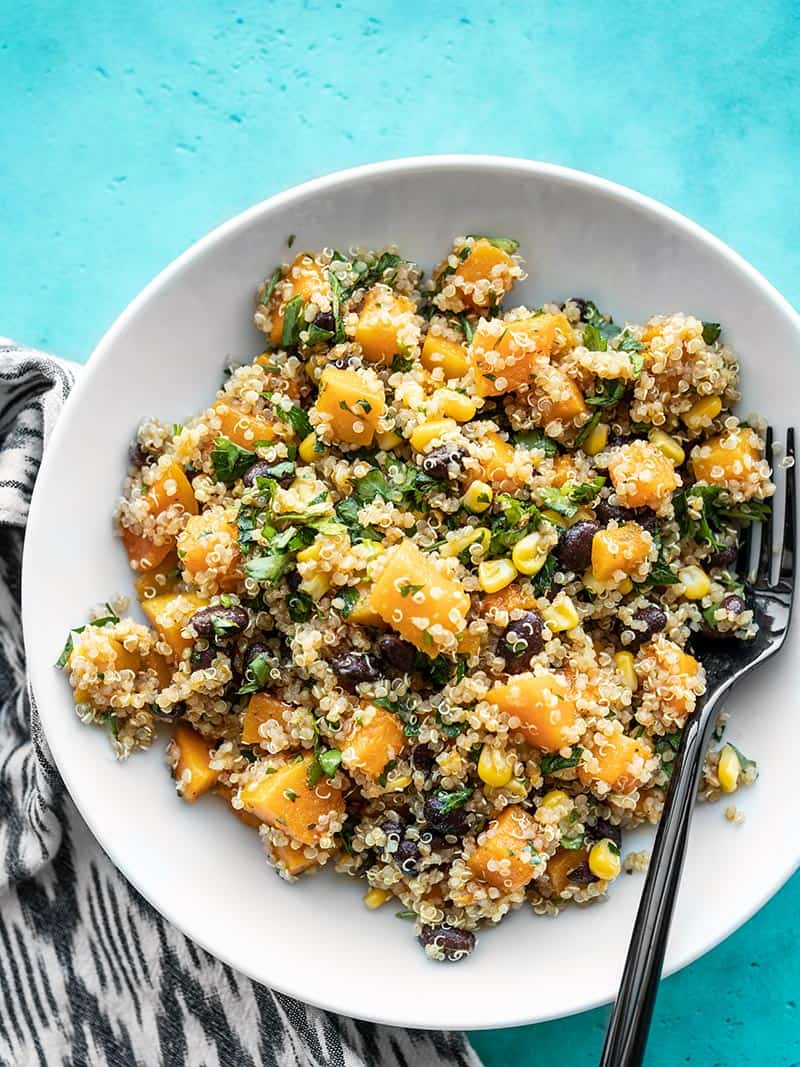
626	1037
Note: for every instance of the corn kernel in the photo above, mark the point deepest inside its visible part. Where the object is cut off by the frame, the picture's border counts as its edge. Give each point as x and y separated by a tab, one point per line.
496	574
429	431
495	768
305	555
702	412
467	537
518	788
376	897
560	614
696	583
555	518
596	440
388	441
554	798
309	448
668	446
625	586
729	769
478	498
624	662
397	785
604	861
529	554
453	404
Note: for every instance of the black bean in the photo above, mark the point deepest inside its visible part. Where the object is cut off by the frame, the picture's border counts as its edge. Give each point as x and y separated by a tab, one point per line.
262	469
201	658
724	557
574	548
581	875
616	440
407	857
422	758
343	362
392	828
443	820
605	829
521	641
580	303
325	321
352	668
734	604
170	714
440	462
454	943
646	518
396	652
253	650
137	455
652	621
219	623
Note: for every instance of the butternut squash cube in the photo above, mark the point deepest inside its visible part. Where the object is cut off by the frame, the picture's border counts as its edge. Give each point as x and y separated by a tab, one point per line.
557	397
642	475
306	279
386	318
285	799
362	613
169	613
353	402
160	579
730	460
209	545
546	713
449	355
416	599
485	276
170	487
561	865
621	761
293	860
506	843
623	548
508	355
374	744
260	708
670	674
243	429
497	467
192	771
513	596
226	793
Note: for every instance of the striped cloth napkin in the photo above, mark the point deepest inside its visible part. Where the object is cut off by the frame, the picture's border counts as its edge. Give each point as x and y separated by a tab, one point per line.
89	972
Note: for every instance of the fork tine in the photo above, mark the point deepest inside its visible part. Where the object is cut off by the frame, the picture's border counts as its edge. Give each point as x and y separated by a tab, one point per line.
744	567
789	532
764	570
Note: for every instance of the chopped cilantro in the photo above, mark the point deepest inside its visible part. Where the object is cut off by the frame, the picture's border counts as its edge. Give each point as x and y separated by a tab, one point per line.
566	500
257	674
292	322
268	568
350	597
536	439
299	605
402	362
449	801
609	395
383	777
554	762
711	331
505	244
409	589
269	287
229	460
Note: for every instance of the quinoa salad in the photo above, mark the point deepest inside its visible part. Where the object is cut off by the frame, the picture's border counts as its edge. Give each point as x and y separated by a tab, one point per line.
421	584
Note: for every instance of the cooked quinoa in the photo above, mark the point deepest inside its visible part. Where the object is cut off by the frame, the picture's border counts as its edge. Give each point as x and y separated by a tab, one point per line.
419	583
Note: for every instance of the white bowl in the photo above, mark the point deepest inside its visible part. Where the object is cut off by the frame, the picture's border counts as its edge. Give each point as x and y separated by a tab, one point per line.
204	870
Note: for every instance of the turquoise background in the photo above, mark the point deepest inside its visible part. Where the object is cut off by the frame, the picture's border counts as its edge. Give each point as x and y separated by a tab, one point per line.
129	130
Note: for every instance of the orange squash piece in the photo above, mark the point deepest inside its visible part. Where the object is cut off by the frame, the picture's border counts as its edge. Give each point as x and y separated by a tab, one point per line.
642	475
353	403
486	263
507	841
620	758
508	355
512	597
384	313
304	278
160	579
449	355
622	548
556	396
243	429
205	535
496	467
412	596
226	793
171	487
292	859
261	707
729	460
372	745
169	613
547	715
286	799
194	756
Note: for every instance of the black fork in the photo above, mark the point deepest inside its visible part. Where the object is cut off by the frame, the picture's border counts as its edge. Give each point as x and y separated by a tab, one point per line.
725	663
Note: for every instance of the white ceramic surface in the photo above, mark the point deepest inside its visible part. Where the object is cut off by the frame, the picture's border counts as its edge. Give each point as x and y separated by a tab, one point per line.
204	870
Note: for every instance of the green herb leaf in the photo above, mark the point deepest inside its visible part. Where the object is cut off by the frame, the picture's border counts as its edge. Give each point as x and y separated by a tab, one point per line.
230	461
587	428
573	842
449	729
257	674
610	394
350	597
269	568
629	343
405	915
402	362
593	339
275	277
337	297
568	498
383	777
450	801
550	764
711	331
405	712
66	651
536	439
505	244
605	326
315	335
296	417
409	589
637	364
292	322
299	605
543	580
466	326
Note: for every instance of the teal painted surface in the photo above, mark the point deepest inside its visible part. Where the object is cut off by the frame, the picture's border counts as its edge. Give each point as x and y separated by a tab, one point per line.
128	131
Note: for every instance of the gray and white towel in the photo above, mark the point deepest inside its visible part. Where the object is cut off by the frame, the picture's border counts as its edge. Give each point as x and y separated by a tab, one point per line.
90	974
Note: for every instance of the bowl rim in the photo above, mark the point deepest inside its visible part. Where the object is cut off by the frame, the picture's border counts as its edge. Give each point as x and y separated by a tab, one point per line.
326	183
